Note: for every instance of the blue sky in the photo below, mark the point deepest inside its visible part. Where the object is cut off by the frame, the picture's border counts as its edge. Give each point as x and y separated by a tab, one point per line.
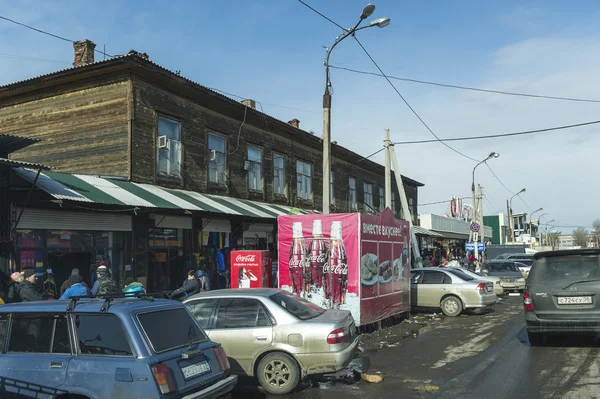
271	51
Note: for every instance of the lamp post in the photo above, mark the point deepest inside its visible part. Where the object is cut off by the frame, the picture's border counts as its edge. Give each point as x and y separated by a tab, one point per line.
510	216
475	207
381	23
546	229
531	220
539	224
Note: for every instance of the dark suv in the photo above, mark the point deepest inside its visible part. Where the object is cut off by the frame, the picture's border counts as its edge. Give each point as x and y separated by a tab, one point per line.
108	348
562	294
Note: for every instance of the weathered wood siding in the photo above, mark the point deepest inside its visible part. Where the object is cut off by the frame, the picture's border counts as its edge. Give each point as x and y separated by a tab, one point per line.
198	119
83	130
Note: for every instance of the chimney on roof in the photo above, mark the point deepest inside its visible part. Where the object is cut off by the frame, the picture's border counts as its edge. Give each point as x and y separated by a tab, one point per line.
84	52
141	55
295	122
249	103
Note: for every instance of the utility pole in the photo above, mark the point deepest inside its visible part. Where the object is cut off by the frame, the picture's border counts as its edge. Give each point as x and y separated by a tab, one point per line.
404	202
508	222
482	229
388	170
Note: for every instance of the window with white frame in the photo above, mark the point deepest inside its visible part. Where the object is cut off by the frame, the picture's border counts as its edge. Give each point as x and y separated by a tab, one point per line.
304	178
331	194
217	158
352	194
279	181
368	197
381	199
168	157
255	182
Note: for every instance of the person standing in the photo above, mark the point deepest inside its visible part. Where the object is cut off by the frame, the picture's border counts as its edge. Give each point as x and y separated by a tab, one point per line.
104	285
76	288
66	284
16	279
132	287
29	289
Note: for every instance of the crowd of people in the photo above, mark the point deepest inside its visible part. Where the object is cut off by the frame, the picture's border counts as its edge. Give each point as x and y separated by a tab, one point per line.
467	260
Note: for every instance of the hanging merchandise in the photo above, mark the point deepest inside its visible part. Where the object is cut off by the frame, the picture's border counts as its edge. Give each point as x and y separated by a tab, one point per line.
49	285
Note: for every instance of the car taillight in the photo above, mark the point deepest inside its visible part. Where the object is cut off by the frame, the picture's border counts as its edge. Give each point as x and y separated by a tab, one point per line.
163	378
527	301
481	287
336	336
223	360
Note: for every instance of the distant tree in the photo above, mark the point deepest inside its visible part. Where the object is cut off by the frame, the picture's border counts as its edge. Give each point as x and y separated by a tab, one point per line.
552	239
596	232
580	237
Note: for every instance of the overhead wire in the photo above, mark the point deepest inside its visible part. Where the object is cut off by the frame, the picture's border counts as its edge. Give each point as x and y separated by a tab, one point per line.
408	105
507	93
440	202
47	33
549	129
322	15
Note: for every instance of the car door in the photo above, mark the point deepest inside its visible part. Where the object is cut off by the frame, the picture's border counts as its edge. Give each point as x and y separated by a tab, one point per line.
431	288
38	352
245	330
415	278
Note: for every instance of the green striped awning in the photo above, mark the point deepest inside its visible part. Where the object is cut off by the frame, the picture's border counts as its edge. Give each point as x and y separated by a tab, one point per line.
95	189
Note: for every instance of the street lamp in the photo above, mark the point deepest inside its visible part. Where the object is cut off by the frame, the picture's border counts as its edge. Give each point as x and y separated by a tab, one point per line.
539	224
531	219
510	217
546	229
381	23
475	207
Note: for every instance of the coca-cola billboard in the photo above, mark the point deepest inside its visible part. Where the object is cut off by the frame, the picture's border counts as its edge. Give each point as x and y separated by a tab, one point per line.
250	269
321	257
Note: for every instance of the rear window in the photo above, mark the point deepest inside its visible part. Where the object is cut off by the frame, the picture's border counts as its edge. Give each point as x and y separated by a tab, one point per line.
502	267
170	329
461	275
566	269
297	306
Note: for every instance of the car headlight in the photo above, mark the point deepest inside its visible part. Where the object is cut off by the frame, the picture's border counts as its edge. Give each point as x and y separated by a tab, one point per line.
521	280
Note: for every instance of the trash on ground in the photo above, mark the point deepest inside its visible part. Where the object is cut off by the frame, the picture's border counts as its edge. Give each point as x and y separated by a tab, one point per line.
373	378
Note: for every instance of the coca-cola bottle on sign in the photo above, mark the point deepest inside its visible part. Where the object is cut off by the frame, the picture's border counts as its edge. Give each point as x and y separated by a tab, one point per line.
317	250
297	258
336	269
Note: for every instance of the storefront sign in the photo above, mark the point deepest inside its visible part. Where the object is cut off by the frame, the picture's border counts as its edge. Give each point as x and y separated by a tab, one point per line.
470	246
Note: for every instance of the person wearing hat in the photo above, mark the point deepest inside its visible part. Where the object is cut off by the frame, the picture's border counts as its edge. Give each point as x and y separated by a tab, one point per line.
16	279
29	289
67	284
104	285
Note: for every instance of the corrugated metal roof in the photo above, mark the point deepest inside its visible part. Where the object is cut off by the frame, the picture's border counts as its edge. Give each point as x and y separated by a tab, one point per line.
23	164
94	189
10	143
425	232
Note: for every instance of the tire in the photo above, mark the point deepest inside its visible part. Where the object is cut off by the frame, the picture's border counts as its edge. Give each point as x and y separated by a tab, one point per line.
278	373
535	339
451	306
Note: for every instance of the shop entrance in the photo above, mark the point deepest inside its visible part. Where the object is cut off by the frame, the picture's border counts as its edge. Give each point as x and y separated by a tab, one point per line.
62	264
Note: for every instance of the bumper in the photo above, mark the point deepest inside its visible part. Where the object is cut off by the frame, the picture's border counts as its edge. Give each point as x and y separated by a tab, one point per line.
477	300
536	325
513	286
216	390
329	362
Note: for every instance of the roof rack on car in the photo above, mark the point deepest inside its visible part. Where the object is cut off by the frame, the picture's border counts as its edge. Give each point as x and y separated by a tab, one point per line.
108	298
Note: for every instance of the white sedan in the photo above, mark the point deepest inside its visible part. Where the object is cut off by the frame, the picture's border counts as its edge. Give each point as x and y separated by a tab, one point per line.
498	290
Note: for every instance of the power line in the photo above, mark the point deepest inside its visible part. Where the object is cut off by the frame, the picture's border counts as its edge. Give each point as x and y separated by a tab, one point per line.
441	202
373	154
47	33
408	105
497	178
549	129
507	93
322	15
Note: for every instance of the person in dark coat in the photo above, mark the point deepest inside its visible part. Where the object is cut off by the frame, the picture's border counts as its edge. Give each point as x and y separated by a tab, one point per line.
16	279
67	283
191	286
29	290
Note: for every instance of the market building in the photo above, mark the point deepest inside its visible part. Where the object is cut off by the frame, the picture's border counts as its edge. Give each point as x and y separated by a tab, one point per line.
154	173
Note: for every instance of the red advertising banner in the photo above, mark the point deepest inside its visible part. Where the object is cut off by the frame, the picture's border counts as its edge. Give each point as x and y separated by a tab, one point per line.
351	261
318	259
250	269
385	266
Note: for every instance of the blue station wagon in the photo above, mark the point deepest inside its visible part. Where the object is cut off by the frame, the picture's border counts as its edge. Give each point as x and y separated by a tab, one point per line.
108	349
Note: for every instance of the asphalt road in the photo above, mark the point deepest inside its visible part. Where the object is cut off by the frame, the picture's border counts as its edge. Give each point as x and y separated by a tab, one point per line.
472	356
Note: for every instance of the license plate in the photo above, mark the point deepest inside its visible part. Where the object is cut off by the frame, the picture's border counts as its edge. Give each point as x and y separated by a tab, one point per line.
574	300
195	370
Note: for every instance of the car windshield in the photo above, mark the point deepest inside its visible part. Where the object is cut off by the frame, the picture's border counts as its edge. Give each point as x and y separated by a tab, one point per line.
566	269
502	267
185	330
297	306
464	276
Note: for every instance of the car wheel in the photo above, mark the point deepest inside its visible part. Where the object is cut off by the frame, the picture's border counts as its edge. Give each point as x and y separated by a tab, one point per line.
451	306
535	339
278	373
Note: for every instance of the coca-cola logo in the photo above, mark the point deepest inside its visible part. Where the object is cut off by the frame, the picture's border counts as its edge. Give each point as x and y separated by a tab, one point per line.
340	268
245	258
296	263
320	258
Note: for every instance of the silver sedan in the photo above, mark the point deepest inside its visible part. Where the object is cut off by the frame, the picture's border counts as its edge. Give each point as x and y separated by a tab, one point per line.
498	290
449	289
